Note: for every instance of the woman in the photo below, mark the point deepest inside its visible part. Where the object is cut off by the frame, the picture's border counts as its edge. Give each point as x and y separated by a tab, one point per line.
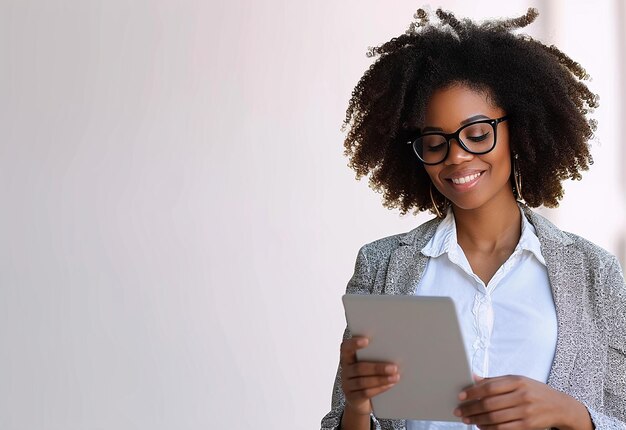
492	120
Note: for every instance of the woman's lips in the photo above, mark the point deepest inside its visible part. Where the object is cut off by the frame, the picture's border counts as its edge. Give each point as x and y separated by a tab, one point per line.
466	181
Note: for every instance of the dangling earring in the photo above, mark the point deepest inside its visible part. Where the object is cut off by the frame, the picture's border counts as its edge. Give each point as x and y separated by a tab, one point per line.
517	178
432	199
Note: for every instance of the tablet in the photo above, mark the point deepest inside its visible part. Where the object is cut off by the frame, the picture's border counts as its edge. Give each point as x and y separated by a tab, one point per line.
422	336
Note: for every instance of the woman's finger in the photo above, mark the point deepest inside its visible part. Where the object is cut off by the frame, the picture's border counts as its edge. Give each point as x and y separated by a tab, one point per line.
368	382
349	347
488	404
496	417
491	387
368	393
367	368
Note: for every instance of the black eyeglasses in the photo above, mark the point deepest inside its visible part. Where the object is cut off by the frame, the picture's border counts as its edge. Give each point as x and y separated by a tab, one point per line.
478	137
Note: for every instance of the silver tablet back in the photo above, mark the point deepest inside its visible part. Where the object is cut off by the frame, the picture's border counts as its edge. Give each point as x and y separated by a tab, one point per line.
422	336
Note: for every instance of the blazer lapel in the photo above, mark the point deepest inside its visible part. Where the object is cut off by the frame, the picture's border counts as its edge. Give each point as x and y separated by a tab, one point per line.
406	266
407	263
564	273
563	277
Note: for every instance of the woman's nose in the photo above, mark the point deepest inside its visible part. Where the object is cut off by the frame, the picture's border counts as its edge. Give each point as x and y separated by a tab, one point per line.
457	154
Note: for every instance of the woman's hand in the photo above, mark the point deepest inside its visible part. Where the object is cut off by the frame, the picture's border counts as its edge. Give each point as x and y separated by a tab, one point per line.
363	380
520	403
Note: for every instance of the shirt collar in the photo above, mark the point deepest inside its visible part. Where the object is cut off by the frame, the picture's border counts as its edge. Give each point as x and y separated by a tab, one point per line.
445	239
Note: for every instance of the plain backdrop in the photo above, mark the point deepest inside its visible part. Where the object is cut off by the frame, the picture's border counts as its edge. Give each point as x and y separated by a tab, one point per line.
178	221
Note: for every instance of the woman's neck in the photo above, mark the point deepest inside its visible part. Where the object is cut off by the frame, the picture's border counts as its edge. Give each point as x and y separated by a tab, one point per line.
492	227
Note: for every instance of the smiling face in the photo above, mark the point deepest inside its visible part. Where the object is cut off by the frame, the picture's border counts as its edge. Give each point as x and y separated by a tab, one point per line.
469	181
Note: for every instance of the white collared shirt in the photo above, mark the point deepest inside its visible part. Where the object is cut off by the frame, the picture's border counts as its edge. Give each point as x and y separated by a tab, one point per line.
509	326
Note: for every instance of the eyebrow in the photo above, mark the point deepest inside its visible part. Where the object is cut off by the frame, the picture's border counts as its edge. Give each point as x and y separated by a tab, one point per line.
465	121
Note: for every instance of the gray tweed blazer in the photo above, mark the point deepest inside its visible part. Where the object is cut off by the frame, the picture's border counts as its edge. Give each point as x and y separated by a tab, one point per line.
590	298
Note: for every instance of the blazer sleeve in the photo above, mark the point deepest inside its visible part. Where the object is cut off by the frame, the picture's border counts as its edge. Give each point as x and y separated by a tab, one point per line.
362	282
613	415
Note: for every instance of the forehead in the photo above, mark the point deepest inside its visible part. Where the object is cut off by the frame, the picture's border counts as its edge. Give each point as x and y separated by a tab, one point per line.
448	107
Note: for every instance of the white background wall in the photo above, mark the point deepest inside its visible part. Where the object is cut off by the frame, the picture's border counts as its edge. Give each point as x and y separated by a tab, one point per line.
178	222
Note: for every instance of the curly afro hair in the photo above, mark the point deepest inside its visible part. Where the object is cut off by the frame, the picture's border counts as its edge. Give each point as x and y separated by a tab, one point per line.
539	87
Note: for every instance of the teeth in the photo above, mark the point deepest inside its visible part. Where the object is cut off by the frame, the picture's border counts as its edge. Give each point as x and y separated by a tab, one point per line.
465	179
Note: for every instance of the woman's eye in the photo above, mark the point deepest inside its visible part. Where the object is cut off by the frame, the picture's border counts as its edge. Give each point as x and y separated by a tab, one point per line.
436	148
479	138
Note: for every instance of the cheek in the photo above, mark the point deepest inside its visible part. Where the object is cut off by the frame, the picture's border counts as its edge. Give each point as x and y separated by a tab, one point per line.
499	160
505	165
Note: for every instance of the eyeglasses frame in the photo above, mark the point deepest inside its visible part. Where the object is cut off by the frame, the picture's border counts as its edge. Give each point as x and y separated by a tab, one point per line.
456	135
